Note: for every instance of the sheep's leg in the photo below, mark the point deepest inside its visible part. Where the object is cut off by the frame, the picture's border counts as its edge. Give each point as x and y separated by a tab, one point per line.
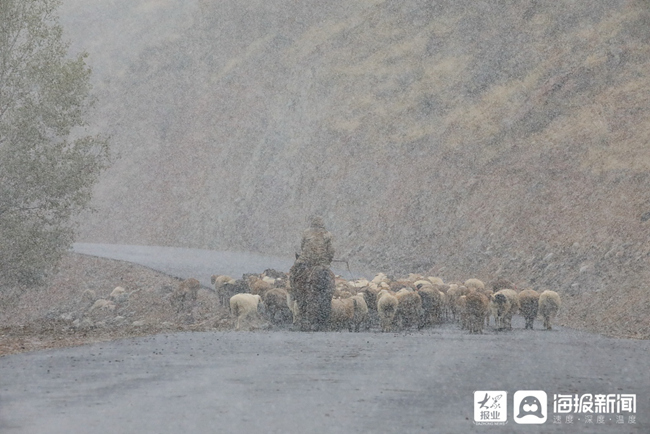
529	322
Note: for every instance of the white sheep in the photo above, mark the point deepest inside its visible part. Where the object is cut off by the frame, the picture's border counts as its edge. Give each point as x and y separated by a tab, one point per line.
360	283
342	313
549	304
119	295
414	277
361	314
244	306
117	292
409	308
386	309
270	280
474	284
379	278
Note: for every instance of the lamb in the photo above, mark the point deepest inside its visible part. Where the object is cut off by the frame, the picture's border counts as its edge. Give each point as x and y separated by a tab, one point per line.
275	302
528	306
503	306
244	306
549	304
386	309
186	294
409	308
476	307
342	314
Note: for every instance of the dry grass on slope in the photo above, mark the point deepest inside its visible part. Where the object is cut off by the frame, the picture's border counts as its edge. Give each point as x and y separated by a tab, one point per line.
617	312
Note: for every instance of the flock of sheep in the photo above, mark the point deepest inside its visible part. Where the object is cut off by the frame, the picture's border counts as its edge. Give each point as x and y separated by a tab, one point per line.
390	304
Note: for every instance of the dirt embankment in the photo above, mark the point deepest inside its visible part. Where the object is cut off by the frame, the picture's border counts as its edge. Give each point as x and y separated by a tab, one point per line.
61	312
618	312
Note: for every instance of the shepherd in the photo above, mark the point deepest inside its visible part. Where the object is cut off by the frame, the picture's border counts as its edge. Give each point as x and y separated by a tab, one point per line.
312	281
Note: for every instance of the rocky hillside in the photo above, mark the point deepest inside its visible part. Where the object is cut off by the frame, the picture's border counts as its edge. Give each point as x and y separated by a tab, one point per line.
460	137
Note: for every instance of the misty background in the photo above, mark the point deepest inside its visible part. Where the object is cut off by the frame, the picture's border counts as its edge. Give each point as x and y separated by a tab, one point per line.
461	138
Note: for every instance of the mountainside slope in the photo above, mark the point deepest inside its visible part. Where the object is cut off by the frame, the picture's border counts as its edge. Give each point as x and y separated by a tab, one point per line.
489	138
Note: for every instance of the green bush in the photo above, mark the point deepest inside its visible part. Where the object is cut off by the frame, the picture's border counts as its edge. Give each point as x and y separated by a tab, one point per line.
49	161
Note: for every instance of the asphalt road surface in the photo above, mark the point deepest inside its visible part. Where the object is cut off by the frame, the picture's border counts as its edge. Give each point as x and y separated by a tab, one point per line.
293	382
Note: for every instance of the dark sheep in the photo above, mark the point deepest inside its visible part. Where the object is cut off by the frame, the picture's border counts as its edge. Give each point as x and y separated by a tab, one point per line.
277	309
